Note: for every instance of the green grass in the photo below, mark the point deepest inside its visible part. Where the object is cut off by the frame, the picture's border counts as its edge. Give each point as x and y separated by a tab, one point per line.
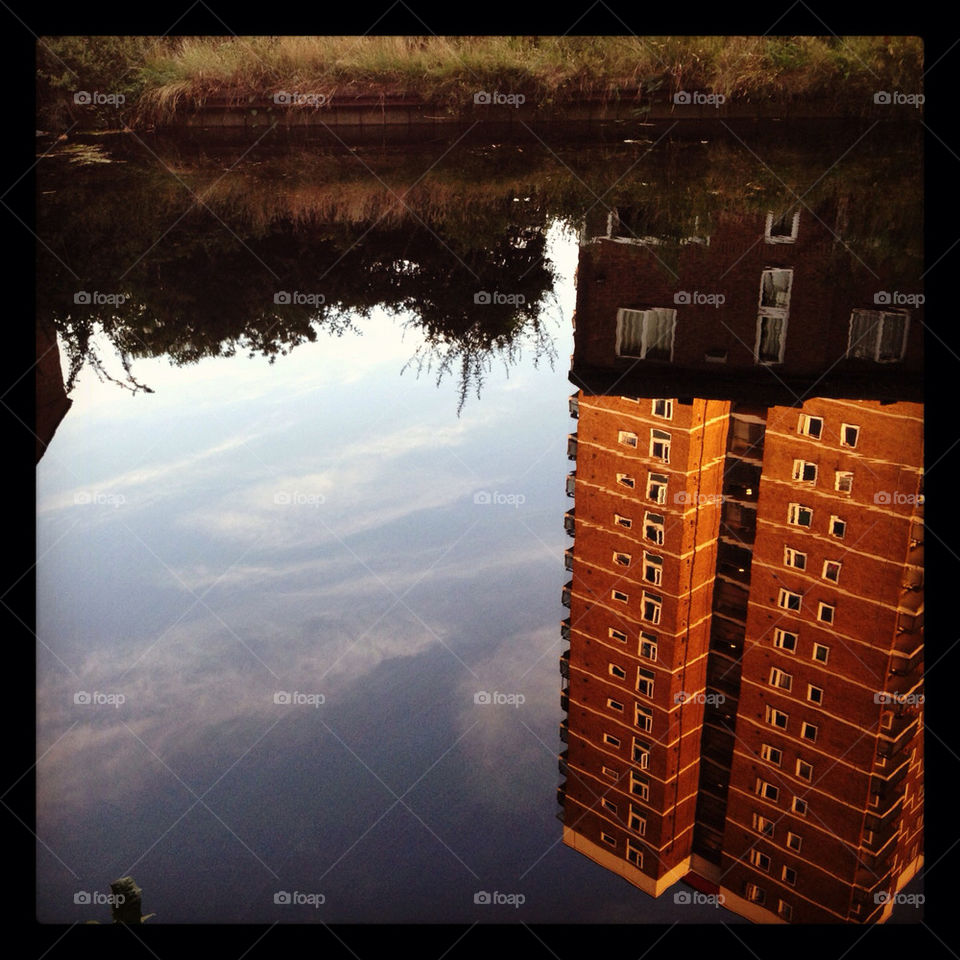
164	74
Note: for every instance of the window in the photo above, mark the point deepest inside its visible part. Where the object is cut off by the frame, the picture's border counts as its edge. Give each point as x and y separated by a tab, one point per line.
641	753
799	806
776	718
622	521
780	679
762	825
849	435
662	408
785	910
643	718
808	731
619	595
653	527
782	228
825	612
775	286
635	855
799	515
760	860
805	470
784	640
810	426
838	527
804	769
794	558
789	875
637	823
753	893
653	569
646	334
767	790
618	635
606	838
794	842
648	646
640	786
610	773
814	694
660	445
608	805
611	740
831	570
617	672
771	754
657	487
645	682
878	335
615	705
789	600
626	438
622	559
625	480
651	607
843	481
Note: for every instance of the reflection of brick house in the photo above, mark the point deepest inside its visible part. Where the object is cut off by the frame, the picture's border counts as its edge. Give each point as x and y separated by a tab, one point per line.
776	306
744	674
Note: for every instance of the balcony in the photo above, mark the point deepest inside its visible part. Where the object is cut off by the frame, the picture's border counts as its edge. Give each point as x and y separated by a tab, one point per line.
568	559
564	728
565	664
565	629
566	594
564	702
574	403
562	793
562	763
568	522
571	446
571	483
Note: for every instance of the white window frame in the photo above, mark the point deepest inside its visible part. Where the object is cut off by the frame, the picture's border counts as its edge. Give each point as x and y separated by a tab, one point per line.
779	636
807	725
609	773
796	802
614	705
609	840
644	786
611	740
771	754
768	237
811	698
760	860
791	556
813	653
753	893
650	521
646	319
617	635
834	520
871	351
844	427
620	521
800	467
831	563
643	749
761	823
619	596
841	479
621	559
615	670
804	424
801	763
652	647
653	562
657	484
626	480
637	822
608	804
657	609
767	790
663	439
772	714
784	598
634	855
625	437
773	314
785	876
794	838
645	682
667	407
794	515
641	713
822	609
780	679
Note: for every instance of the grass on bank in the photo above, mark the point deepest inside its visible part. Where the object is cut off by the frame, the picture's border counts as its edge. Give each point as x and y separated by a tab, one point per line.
162	74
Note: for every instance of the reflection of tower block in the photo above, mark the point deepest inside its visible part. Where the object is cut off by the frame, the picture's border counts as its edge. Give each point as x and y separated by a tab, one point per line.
127	910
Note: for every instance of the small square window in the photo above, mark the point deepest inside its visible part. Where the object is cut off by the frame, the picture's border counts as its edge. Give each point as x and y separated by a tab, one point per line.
838	527
611	740
776	718
617	672
843	481
625	480
653	528
663	408
639	786
643	718
622	559
622	521
794	842
771	754
653	569
615	705
831	570
617	635
648	646
825	612
657	487
637	823
619	595
645	680
789	600
784	640
808	731
794	558
635	855
805	470
626	438
753	893
784	910
799	515
606	838
780	679
763	825
849	435
760	860
767	790
810	426
641	754
608	805
821	653
789	875
660	445
814	694
804	770
800	806
610	773
652	606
